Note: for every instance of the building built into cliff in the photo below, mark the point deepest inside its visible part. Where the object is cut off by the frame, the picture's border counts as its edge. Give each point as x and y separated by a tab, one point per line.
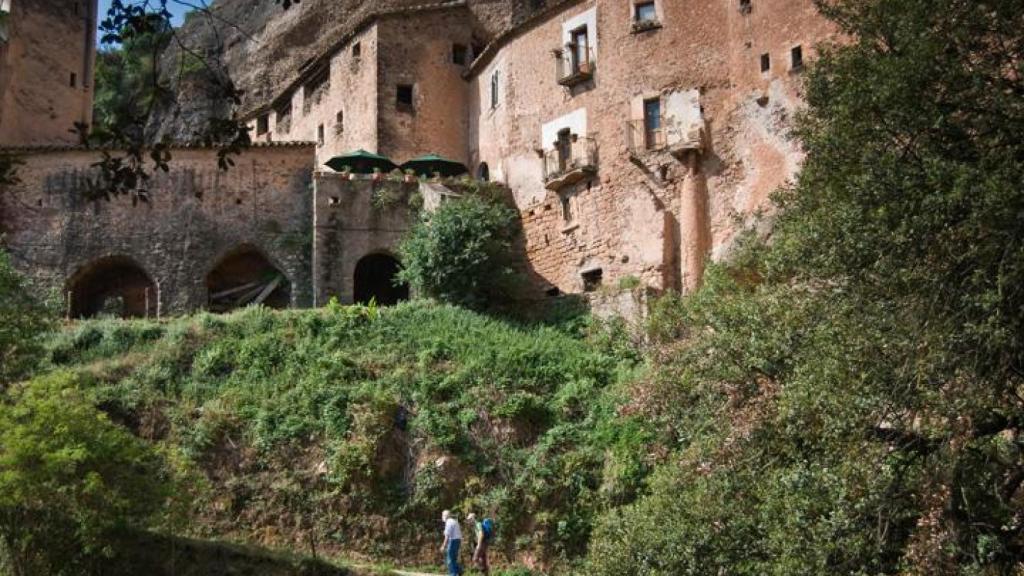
629	132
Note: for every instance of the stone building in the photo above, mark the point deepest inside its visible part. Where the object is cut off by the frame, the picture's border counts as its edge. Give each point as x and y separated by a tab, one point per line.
47	54
630	133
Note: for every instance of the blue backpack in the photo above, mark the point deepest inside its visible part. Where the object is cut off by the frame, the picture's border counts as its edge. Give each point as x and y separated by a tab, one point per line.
488	528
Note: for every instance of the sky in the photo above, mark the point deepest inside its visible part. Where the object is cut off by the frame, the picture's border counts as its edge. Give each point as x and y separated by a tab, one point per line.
176	9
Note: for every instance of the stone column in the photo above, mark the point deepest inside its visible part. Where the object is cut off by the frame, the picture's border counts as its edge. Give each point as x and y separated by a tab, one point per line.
694	224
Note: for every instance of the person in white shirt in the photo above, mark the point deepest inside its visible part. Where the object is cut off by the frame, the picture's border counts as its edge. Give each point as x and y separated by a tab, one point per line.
452	542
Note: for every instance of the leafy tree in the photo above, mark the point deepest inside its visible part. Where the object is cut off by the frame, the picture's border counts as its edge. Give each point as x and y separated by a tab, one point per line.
848	397
69	479
461	253
24	321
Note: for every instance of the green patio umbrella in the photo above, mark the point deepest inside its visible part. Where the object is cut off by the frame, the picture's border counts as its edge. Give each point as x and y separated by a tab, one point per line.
361	162
432	163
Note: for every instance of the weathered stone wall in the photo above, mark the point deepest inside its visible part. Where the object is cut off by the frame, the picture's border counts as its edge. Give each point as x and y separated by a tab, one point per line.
650	214
414	53
46	71
347	84
349	226
196	216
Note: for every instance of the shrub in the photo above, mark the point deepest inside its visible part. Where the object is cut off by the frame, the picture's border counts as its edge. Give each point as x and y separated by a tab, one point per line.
69	478
461	253
24	321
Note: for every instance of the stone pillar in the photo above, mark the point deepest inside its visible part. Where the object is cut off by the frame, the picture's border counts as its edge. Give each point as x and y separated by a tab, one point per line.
694	225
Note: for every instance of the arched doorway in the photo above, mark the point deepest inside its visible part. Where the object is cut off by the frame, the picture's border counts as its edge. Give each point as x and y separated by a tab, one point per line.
113	286
483	172
375	280
246	277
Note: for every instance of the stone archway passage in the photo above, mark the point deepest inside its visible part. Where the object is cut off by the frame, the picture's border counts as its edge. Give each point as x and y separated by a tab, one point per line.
375	280
245	277
114	286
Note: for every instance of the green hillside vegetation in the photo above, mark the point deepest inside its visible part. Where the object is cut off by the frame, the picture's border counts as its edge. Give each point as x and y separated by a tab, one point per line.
847	397
348	429
842	396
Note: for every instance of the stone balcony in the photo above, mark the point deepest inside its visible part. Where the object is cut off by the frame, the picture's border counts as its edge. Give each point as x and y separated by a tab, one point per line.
570	163
671	138
574	65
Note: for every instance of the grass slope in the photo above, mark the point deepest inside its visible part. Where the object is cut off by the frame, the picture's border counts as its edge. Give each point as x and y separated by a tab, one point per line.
348	429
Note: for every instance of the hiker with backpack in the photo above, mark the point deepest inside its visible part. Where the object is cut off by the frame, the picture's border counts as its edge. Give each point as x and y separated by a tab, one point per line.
484	536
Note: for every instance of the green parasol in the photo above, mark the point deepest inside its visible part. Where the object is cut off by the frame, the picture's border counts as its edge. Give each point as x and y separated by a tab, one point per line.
361	162
432	163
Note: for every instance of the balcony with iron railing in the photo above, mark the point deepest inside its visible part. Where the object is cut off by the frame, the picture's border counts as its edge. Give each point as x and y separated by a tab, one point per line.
574	64
570	162
669	137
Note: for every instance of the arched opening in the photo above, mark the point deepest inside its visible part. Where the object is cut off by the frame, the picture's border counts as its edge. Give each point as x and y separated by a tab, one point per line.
114	286
245	277
375	280
483	172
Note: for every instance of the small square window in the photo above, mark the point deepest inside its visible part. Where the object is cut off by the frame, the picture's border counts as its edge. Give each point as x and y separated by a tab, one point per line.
746	6
403	95
766	62
262	125
646	12
357	50
796	56
460	54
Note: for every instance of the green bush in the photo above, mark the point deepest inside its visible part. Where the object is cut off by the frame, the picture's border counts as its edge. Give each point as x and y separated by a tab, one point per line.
70	479
846	398
462	252
24	323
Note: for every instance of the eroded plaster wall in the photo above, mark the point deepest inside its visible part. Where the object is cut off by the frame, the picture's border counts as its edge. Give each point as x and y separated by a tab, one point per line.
656	215
195	216
46	71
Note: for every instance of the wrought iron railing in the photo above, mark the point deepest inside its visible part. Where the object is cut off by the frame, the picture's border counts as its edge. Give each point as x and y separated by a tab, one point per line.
576	157
641	138
574	64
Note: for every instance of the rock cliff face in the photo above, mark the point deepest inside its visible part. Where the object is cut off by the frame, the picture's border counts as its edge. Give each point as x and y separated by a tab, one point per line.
262	47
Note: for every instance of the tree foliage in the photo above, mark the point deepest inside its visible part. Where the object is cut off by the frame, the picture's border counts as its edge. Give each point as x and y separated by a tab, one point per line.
848	397
461	252
69	479
24	322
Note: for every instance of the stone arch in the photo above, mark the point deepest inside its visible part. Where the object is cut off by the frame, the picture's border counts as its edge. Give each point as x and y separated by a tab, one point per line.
483	172
374	280
114	285
245	276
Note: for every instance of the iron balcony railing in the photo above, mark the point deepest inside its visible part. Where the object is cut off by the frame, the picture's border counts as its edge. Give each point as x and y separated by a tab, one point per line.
570	162
574	64
641	138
